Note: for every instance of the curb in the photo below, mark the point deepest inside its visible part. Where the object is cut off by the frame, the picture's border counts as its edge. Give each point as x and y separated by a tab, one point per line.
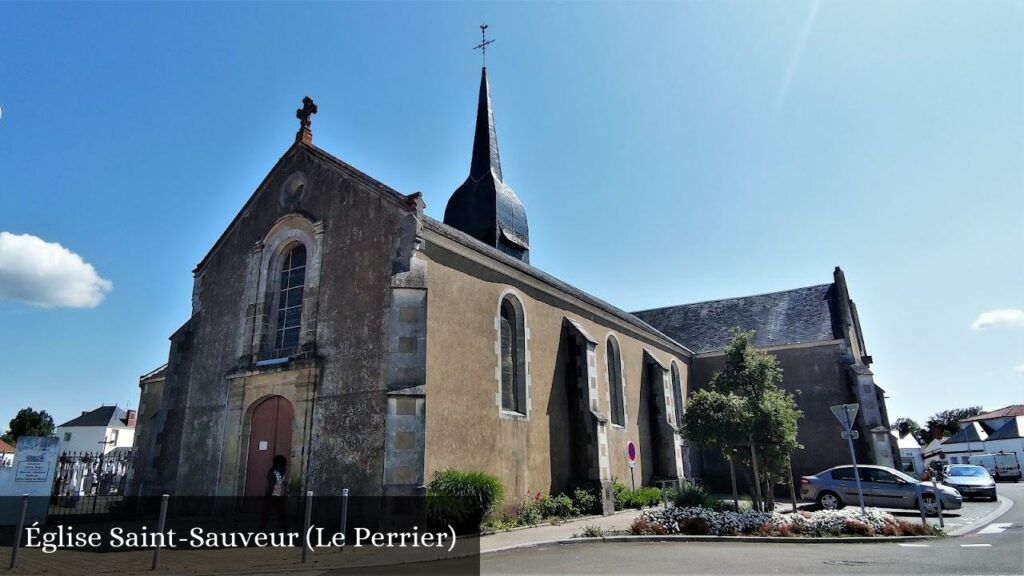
691	538
1004	505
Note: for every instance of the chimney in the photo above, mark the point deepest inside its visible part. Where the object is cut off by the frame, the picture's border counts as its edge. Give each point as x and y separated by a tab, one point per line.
131	418
936	431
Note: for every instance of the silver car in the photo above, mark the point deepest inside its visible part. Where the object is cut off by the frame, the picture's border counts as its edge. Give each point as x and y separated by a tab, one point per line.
971	481
883	488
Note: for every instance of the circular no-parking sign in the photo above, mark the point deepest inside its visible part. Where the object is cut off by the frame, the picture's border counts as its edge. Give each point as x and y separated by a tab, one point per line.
631	451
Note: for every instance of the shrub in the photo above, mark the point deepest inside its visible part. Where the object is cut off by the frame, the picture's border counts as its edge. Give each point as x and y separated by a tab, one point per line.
643	526
462	499
906	528
693	496
584	500
592	531
695	526
620	491
857	528
643	497
560	506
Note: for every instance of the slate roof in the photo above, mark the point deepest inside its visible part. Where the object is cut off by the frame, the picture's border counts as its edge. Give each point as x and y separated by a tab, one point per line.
778	318
1011	411
105	416
968	433
6	448
1010	430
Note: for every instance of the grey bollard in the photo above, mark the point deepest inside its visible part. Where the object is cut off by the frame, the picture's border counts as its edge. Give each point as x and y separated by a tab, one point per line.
160	529
21	527
305	525
344	513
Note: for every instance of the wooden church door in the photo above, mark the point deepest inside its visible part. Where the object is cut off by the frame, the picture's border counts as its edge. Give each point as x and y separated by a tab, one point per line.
270	434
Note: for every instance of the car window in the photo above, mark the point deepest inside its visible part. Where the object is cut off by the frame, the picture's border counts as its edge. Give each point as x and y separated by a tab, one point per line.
842	474
967	471
881	476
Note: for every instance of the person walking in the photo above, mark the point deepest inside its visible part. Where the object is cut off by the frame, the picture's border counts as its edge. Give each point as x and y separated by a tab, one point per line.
276	498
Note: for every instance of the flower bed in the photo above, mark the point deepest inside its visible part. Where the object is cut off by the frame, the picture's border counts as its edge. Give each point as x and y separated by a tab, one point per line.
703	521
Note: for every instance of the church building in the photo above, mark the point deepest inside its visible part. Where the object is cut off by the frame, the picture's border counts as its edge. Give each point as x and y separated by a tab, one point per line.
335	323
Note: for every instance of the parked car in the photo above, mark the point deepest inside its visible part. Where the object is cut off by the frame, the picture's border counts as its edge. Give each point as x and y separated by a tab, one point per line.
971	481
883	488
1001	466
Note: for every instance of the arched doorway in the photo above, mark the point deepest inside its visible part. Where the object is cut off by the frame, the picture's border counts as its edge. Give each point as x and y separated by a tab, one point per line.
270	433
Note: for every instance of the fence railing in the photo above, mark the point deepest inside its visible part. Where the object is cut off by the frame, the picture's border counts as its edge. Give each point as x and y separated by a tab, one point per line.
91	482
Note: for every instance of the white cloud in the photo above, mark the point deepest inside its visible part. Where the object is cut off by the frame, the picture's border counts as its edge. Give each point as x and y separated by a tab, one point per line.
1019	368
47	274
998	318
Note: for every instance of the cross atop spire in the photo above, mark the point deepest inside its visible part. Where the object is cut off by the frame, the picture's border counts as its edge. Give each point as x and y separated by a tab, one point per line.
484	42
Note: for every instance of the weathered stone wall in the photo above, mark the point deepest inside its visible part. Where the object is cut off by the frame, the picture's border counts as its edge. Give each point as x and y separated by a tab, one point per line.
365	231
464	426
820	374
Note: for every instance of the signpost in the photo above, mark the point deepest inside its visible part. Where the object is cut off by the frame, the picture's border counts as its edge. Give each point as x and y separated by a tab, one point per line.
631	457
846	413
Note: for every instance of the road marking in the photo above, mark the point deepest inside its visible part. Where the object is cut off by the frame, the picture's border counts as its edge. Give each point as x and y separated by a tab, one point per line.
995	528
913	545
975	545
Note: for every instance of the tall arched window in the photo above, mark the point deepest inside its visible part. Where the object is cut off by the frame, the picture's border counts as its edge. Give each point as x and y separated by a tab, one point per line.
677	395
615	401
513	357
291	281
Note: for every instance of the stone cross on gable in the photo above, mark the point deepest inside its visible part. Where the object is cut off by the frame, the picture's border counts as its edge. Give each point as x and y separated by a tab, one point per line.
303	114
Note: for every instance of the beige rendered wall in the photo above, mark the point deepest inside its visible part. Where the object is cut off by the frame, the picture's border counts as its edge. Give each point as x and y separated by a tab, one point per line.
464	429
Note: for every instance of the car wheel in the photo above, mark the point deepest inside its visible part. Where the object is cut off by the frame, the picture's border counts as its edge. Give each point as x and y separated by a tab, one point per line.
931	507
994	498
829	501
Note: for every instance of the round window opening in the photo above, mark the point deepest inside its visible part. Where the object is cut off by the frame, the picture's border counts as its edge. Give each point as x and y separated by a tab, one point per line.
292	190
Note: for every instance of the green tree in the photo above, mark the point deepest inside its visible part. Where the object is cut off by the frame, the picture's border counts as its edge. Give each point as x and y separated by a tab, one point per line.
949	420
743	405
29	422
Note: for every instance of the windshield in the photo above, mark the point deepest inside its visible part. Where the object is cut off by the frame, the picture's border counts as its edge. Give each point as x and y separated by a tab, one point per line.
967	471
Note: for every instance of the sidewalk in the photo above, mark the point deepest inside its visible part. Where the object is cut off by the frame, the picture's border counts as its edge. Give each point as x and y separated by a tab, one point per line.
540	534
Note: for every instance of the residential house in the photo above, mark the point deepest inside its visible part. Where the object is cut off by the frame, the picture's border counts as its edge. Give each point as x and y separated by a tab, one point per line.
99	430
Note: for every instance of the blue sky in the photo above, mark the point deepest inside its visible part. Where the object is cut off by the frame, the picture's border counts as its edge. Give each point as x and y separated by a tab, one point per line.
665	152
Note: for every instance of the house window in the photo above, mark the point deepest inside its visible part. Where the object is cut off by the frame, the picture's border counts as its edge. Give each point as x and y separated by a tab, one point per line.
67	436
615	401
677	395
513	357
288	321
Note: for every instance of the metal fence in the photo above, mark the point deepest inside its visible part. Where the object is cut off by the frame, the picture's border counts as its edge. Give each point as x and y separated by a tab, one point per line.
91	482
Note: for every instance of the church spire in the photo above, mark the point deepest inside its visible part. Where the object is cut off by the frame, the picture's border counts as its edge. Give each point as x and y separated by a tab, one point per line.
484	206
485	141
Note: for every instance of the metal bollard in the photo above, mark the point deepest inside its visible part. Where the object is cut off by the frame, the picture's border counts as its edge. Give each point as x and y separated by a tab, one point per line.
160	529
21	527
920	504
305	525
344	512
938	502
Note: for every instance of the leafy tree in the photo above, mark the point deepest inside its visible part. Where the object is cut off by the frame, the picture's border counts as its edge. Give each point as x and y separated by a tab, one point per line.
949	420
743	404
29	422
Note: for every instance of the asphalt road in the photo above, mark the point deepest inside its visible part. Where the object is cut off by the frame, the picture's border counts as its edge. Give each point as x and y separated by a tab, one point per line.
992	549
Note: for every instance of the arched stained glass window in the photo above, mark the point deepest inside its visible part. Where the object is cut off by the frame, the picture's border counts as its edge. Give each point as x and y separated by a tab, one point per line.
291	282
513	358
615	393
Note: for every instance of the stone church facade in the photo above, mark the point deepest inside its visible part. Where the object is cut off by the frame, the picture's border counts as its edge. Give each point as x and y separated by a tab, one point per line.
335	323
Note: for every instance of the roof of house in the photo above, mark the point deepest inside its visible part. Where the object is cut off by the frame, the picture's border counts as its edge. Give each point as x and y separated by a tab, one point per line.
5	447
105	416
1010	430
907	442
789	317
972	432
1010	411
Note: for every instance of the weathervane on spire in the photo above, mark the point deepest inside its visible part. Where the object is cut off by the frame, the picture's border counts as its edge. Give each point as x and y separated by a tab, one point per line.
482	46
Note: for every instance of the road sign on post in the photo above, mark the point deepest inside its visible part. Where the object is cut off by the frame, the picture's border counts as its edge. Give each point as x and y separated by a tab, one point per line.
631	458
846	413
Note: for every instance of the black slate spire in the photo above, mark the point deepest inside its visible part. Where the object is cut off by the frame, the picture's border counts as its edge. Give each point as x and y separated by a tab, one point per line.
484	206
